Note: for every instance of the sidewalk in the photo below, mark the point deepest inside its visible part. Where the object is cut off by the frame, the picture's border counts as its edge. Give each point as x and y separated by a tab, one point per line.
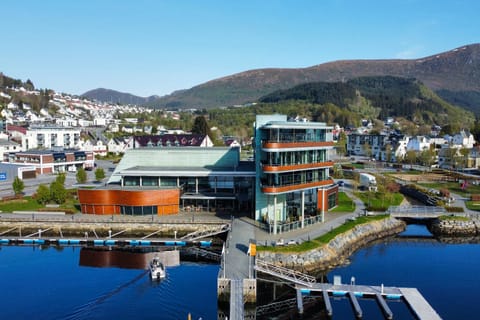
332	221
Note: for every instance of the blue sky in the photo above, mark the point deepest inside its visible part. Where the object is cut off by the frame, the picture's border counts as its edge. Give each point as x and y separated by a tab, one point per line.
150	47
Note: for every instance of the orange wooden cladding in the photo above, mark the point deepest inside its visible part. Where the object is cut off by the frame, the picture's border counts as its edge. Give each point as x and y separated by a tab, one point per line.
296	187
324	202
295	167
286	145
109	201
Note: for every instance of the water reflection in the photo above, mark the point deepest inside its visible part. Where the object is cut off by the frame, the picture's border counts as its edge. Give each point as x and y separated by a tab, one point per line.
127	258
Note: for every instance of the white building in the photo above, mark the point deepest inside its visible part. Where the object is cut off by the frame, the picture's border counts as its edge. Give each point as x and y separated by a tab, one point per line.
464	139
419	144
49	137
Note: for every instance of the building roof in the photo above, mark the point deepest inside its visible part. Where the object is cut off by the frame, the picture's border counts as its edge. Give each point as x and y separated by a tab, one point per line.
181	140
150	161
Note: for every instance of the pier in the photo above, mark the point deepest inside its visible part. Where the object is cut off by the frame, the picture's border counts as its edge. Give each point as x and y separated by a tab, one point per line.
305	286
236	282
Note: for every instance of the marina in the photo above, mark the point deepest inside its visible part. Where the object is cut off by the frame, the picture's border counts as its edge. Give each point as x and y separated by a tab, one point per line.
239	267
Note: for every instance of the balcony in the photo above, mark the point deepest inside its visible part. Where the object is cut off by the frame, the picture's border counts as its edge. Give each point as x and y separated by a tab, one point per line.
296	167
295	187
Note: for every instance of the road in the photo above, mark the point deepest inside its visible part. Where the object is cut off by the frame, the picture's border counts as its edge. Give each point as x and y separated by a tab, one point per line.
31	185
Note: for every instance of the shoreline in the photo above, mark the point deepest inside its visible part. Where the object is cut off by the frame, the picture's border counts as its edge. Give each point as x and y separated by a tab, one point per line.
338	249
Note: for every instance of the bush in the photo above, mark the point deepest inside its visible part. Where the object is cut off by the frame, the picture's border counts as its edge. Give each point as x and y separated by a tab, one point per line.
58	193
43	194
454	209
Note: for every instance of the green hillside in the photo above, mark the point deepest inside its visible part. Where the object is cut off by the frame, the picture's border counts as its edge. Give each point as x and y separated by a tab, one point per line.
376	98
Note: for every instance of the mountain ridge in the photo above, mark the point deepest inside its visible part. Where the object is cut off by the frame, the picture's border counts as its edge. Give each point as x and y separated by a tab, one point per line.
113	96
456	70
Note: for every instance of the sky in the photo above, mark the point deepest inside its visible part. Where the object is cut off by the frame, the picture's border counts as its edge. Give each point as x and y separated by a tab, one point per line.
148	47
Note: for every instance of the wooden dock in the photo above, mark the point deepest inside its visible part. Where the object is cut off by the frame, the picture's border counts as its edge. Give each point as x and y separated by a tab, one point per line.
412	297
418	304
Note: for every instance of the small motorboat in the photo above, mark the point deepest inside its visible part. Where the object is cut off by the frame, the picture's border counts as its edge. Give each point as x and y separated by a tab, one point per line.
157	269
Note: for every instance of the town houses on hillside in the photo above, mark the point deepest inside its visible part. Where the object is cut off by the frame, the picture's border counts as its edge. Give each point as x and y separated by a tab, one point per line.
449	151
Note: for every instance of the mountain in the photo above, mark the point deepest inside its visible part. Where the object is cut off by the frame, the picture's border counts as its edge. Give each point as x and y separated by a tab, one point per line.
454	75
376	97
112	96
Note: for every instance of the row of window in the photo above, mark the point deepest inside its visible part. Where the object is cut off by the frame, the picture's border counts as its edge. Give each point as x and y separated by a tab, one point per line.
293	178
294	157
190	184
295	135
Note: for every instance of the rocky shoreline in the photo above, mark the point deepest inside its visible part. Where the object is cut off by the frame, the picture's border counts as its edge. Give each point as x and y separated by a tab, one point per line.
455	228
338	249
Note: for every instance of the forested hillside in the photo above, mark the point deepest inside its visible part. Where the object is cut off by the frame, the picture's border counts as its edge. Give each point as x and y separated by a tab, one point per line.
376	98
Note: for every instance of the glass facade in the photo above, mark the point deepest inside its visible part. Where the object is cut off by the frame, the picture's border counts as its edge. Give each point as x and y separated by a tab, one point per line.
288	158
295	135
293	178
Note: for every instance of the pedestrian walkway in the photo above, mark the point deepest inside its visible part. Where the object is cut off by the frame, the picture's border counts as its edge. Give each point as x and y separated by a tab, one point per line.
332	221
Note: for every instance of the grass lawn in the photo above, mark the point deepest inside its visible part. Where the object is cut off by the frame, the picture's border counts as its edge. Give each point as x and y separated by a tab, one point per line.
24	204
322	240
345	204
27	203
473	205
377	201
453	187
456	218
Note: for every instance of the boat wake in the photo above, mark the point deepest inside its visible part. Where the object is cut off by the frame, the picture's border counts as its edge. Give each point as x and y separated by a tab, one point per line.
82	311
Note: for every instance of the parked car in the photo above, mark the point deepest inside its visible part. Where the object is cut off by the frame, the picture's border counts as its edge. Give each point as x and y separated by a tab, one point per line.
341	183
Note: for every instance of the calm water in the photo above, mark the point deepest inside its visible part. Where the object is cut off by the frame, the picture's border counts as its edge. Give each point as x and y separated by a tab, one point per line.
447	275
51	284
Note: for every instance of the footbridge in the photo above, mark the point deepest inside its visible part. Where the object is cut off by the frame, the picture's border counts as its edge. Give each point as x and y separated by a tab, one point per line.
416	212
285	273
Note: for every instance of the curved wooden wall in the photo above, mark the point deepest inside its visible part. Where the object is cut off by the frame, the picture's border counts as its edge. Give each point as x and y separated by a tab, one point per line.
108	201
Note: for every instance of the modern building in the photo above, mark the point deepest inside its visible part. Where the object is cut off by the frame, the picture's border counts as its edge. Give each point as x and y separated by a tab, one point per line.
289	181
168	180
366	144
50	137
293	180
54	160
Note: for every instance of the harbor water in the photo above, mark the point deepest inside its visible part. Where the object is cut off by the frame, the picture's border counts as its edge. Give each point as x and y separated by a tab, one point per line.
52	283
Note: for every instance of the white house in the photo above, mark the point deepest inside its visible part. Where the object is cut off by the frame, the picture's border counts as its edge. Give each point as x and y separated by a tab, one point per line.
464	139
419	144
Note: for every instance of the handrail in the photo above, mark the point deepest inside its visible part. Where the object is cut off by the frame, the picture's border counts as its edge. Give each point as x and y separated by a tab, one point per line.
285	273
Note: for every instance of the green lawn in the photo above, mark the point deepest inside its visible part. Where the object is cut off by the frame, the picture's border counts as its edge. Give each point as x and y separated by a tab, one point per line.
27	203
377	201
326	238
24	204
453	187
345	204
473	205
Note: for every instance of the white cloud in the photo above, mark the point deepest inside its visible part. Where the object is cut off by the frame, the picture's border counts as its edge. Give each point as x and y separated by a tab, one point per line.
410	53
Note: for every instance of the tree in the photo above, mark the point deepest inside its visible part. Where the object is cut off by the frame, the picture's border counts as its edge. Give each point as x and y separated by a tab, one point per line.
58	193
81	175
99	174
427	157
342	144
465	152
18	186
61	178
200	126
42	194
411	157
